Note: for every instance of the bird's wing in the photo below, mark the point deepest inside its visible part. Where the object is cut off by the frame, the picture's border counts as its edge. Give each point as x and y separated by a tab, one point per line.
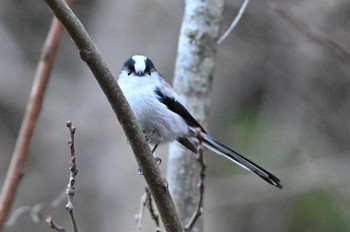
169	99
187	143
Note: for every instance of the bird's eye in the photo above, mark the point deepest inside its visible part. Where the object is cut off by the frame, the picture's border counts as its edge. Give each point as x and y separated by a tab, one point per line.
148	71
129	71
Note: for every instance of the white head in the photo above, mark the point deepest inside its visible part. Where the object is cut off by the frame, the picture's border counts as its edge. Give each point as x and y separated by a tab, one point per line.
138	65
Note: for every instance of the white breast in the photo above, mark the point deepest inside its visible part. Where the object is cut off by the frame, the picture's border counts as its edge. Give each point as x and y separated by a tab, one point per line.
151	114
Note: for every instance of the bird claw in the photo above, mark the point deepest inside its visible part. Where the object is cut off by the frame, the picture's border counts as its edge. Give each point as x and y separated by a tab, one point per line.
148	135
158	161
139	171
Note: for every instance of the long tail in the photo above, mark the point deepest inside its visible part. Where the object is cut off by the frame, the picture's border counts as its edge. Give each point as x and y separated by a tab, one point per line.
221	149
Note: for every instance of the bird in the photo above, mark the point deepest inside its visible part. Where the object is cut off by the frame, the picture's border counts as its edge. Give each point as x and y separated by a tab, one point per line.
163	117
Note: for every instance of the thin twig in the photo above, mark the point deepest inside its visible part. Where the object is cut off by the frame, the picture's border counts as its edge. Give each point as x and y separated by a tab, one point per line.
153	212
146	200
53	225
341	52
151	172
73	171
138	217
35	211
20	154
200	158
18	212
235	22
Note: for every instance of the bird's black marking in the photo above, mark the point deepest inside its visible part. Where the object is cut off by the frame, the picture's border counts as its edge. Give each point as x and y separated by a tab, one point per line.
149	66
178	108
233	155
185	142
129	65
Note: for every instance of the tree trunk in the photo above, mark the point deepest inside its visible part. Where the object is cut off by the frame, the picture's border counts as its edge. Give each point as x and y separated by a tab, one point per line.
193	82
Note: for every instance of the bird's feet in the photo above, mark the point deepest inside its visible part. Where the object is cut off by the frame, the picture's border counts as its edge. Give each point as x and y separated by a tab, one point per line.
148	135
158	161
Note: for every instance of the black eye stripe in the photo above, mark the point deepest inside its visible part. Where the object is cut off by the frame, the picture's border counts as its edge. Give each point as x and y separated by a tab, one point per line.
129	66
149	66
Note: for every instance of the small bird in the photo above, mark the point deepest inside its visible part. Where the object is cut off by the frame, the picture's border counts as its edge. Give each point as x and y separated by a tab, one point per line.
164	118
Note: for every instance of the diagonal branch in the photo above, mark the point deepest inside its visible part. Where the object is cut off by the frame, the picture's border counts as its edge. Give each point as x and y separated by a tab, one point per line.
151	172
20	154
235	22
53	225
333	46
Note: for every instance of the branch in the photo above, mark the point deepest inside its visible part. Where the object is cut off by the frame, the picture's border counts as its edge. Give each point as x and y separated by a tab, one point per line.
200	158
138	217
235	22
53	225
73	171
193	80
20	154
151	172
34	211
334	47
146	200
153	212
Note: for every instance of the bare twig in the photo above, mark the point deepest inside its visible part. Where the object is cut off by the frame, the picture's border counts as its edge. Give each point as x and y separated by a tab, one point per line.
333	46
20	154
35	211
153	212
53	225
146	200
235	22
151	172
138	217
18	212
200	158
73	171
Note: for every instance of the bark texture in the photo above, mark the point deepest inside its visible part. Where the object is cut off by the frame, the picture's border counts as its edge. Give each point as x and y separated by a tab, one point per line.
193	82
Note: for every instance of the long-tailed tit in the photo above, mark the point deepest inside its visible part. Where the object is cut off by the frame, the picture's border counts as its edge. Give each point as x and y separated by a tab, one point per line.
163	118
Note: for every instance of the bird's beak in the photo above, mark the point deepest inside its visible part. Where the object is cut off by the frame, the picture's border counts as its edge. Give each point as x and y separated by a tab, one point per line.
139	74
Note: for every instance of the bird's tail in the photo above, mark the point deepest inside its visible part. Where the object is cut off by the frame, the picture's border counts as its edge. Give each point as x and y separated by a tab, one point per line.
221	149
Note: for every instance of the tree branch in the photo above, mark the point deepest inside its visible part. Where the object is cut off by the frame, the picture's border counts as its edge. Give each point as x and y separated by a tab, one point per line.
53	225
73	171
333	46
235	22
193	82
151	172
200	158
35	211
146	200
20	154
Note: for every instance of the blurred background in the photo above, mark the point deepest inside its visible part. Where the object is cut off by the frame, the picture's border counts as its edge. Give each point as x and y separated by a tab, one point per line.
279	96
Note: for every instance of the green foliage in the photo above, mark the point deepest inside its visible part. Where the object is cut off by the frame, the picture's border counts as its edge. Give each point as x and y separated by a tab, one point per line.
245	123
319	212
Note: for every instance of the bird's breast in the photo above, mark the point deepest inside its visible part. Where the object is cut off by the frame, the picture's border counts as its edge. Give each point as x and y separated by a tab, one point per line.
153	115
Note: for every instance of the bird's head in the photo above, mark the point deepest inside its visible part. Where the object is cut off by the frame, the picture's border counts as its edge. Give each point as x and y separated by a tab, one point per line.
138	65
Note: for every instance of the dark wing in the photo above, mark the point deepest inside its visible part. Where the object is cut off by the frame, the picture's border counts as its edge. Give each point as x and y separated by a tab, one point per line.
178	108
187	143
